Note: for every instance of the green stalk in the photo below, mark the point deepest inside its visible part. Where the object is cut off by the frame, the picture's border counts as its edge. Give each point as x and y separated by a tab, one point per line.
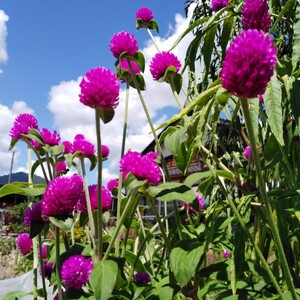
117	246
119	225
176	96
99	213
265	198
57	247
35	265
153	39
88	202
42	266
156	142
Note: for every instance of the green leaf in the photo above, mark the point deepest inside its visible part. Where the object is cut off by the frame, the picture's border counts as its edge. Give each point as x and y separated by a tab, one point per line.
173	140
153	25
134	261
22	188
64	225
296	40
103	279
140	60
226	33
93	160
254	112
272	101
244	207
16	295
184	258
172	191
12	143
196	177
141	82
106	115
200	100
36	228
177	79
295	92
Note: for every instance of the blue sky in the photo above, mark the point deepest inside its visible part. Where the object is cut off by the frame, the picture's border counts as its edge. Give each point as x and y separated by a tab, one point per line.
45	48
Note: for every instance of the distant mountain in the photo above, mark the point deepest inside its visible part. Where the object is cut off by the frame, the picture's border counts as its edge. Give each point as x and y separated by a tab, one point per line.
20	177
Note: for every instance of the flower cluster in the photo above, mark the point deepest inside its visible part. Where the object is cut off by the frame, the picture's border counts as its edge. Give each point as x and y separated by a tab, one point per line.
145	14
123	42
161	62
216	5
22	124
112	184
60	168
142	278
100	88
93	193
48	268
80	144
33	214
255	15
61	196
104	151
142	167
249	64
75	271
24	243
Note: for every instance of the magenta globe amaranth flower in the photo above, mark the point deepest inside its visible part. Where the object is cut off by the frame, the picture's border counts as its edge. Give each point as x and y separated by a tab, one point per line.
24	243
142	167
145	14
255	15
68	147
61	196
100	88
93	193
80	144
226	254
48	268
75	271
161	62
50	138
216	5
142	278
104	151
249	64
125	73
123	42
200	203
247	152
22	124
33	214
112	184
61	168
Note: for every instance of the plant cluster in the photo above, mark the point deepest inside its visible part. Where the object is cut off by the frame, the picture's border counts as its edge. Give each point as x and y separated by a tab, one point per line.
233	231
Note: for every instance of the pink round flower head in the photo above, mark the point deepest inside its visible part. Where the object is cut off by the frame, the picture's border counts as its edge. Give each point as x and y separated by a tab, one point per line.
142	167
93	193
48	268
24	243
216	5
82	145
255	15
249	64
161	62
49	138
145	14
44	251
112	184
22	124
123	42
75	271
247	152
200	203
226	254
142	278
60	168
124	66
33	214
100	88
104	151
61	196
68	147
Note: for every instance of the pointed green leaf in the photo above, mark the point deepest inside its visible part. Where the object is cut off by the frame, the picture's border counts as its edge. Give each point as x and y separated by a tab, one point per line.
272	101
12	143
106	115
103	279
36	228
296	40
65	225
16	295
93	160
141	82
254	112
140	60
184	258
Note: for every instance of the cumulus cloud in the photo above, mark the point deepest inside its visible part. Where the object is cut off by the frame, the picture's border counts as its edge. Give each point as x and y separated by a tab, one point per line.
71	117
7	117
3	34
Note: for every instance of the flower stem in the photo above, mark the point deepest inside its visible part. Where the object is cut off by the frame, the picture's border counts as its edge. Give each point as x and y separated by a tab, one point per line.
153	39
88	202
159	149
42	266
176	96
35	264
99	213
265	198
57	247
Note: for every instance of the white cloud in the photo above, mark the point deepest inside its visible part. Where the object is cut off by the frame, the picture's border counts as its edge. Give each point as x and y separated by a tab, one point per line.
3	34
7	117
71	117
